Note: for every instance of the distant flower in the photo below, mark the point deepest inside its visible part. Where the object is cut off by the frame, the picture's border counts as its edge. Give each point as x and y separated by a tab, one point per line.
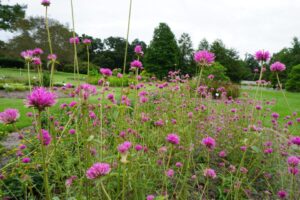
296	140
293	161
46	137
282	194
37	51
72	131
136	64
138	147
36	61
70	180
9	116
209	142
138	49
178	164
173	138
293	170
27	55
119	75
262	55
211	76
45	2
170	173
40	98
85	90
106	72
275	115
210	173
98	170
52	57
75	40
204	57
124	147
26	160
87	41
222	154
277	67
150	197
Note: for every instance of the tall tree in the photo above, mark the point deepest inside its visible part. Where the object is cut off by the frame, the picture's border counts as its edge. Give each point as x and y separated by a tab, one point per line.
204	45
186	54
10	15
163	52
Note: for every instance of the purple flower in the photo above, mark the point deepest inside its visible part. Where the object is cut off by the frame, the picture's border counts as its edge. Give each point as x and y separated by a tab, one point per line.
45	2
275	115
46	137
211	76
74	40
293	161
277	67
209	142
138	147
9	116
150	197
36	61
105	72
72	131
27	55
173	138
124	147
98	170
210	173
40	98
138	49
262	55
52	57
70	180
136	64
204	57
87	41
293	170
37	51
296	140
178	164
170	173
282	194
26	160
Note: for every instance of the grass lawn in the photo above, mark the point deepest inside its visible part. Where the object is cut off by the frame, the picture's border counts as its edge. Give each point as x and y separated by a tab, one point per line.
61	77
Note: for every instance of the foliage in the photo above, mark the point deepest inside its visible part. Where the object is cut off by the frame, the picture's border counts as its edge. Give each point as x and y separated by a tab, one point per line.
218	70
293	82
10	15
11	62
186	64
163	53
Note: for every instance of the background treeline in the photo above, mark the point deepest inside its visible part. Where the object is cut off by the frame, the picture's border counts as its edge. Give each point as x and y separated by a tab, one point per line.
164	53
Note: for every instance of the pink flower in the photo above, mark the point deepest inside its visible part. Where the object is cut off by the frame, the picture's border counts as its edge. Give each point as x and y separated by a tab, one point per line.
27	55
170	173
70	180
178	164
138	49
262	55
210	173
277	67
105	72
9	116
209	142
40	98
87	41
119	75
26	160
74	40
52	57
36	61
72	131
37	51
293	161
204	57
150	197
282	194
293	170
296	140
46	137
211	77
136	64
45	2
222	154
98	170
173	138
275	115
124	147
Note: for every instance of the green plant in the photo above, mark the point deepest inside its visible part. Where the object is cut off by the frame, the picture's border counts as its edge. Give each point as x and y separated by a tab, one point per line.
293	83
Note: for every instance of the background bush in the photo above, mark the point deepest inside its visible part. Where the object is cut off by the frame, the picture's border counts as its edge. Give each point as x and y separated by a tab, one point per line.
293	83
11	62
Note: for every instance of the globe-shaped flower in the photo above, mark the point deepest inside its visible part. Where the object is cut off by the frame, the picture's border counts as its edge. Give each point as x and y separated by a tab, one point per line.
277	67
173	138
40	98
52	57
105	72
138	49
46	137
45	2
27	55
136	64
98	170
209	142
262	55
293	161
37	51
87	41
204	58
74	40
9	116
210	173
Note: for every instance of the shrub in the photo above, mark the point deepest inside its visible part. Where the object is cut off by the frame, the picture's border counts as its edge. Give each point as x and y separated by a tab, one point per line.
11	62
293	83
46	79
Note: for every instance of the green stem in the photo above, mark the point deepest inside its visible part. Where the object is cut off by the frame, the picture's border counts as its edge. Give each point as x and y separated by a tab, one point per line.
283	93
88	60
105	192
28	74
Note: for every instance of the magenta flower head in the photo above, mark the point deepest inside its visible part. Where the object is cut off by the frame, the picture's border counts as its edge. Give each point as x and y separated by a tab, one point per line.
40	98
74	40
136	64
282	194
36	61
52	57
138	50
293	161
124	147
98	170
9	116
170	173
210	173
87	41
209	142
296	140
150	197
204	58
46	137
277	67
37	51
173	138
106	72
26	160
27	55
262	55
45	2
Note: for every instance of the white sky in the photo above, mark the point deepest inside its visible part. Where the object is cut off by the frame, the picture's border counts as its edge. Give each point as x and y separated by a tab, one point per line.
246	25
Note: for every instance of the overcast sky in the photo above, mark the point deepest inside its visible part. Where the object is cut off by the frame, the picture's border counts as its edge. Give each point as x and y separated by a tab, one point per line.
246	25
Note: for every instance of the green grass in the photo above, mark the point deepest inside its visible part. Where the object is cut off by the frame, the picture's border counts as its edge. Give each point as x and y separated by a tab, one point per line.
61	77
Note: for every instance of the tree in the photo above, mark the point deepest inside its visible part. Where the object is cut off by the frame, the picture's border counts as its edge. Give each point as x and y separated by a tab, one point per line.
204	45
185	45
218	70
163	52
10	15
293	83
